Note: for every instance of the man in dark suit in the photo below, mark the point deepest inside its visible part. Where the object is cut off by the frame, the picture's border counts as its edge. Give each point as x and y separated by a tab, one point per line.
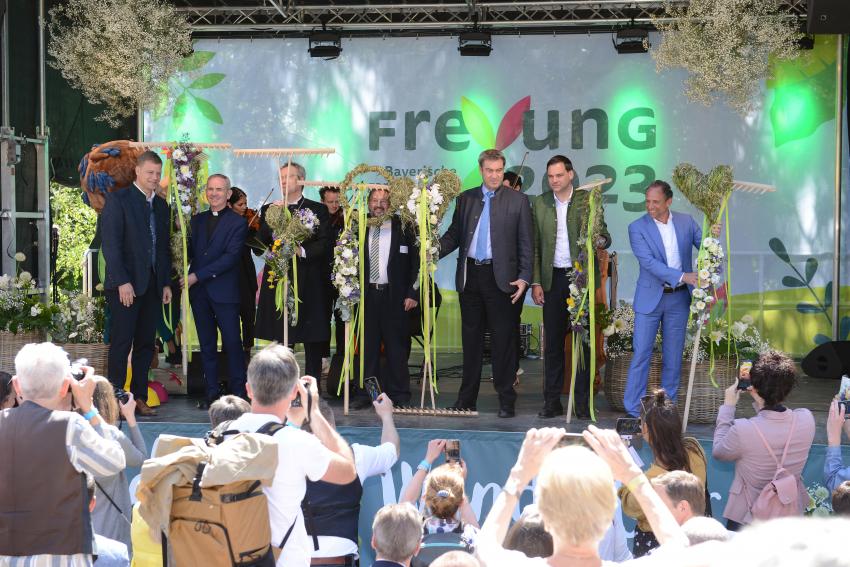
392	267
559	216
491	229
313	327
215	249
136	246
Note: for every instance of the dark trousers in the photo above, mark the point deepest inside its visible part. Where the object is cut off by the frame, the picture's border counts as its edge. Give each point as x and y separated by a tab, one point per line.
556	324
210	318
312	359
133	328
482	305
247	312
386	322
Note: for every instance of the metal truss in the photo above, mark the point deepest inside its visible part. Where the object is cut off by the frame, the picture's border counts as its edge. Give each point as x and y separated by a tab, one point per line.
261	17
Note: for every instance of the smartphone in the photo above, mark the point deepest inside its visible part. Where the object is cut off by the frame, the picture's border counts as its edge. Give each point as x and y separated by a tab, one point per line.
373	387
452	450
77	371
744	375
844	395
628	426
570	439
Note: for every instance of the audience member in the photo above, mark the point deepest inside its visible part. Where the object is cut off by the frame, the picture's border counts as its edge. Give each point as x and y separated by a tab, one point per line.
238	201
834	471
662	429
456	559
112	518
682	492
701	529
396	534
841	499
227	408
776	435
335	509
52	525
273	383
107	552
8	399
576	498
529	535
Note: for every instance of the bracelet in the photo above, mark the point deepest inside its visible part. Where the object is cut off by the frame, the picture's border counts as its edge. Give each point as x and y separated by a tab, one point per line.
636	481
424	466
91	414
512	487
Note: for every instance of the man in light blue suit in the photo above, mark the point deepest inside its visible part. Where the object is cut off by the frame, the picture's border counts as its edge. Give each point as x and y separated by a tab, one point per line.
663	242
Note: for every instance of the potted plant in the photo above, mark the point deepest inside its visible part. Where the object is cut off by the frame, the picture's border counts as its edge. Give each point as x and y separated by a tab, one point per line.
78	326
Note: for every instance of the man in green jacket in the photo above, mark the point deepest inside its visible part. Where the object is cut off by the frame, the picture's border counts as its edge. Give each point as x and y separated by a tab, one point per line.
558	219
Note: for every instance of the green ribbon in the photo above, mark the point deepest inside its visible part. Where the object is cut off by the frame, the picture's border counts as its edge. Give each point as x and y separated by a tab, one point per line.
427	297
361	237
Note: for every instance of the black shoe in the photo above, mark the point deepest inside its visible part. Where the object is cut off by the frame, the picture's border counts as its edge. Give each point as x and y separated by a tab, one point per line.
582	412
174	358
507	412
203	405
550	411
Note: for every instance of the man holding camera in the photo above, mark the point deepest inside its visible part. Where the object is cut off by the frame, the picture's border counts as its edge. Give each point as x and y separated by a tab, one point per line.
50	524
278	395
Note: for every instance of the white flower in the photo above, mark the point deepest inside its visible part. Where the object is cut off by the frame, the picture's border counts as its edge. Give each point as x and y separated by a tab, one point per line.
72	335
620	325
411	206
698	293
349	270
573	289
347	253
715	279
608	331
716	336
99	287
433	219
4	281
184	169
20	257
748	319
339	279
346	290
35	310
709	299
25	277
738	328
700	305
178	154
704	274
186	209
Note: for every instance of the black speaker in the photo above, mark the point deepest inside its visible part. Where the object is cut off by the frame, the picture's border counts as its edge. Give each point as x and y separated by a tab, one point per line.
828	16
829	360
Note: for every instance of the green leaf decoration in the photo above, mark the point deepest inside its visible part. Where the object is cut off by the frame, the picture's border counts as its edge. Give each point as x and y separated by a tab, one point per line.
209	110
706	192
778	248
844	328
808	308
477	123
827	296
207	81
196	60
180	109
822	339
811	269
161	107
791	281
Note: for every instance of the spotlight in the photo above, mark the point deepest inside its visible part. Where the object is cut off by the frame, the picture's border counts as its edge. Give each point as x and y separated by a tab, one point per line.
631	40
474	44
325	44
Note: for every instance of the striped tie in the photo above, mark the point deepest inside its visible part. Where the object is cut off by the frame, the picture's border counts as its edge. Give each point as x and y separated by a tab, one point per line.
375	255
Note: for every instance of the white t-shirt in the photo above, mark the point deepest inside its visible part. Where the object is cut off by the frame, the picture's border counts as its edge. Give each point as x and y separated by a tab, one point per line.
369	461
300	456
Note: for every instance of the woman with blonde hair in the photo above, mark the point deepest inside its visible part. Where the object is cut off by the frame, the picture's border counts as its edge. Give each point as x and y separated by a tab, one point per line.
112	513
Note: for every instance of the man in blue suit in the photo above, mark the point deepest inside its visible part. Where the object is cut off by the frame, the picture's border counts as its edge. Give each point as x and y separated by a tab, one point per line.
663	242
134	226
215	248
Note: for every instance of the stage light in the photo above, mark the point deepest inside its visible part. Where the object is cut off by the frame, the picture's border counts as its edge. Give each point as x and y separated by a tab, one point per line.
631	40
325	44
474	44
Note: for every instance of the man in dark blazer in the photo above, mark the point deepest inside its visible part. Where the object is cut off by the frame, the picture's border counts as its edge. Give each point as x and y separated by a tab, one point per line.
391	269
559	216
137	249
313	327
215	250
492	231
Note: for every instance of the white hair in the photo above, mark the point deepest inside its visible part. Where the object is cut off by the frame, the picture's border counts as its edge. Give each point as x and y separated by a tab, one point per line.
40	369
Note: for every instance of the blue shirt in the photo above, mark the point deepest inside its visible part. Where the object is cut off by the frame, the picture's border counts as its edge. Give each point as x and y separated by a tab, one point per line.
833	471
474	242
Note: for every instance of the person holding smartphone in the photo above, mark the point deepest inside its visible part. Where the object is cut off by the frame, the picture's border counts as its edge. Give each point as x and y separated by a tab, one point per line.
834	471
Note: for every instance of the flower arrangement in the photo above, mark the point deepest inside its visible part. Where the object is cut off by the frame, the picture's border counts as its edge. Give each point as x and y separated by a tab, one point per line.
425	208
580	302
21	309
619	329
186	171
726	46
118	53
742	339
820	501
704	296
79	319
346	272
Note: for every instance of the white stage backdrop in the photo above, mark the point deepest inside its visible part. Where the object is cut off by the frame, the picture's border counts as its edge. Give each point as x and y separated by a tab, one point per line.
409	104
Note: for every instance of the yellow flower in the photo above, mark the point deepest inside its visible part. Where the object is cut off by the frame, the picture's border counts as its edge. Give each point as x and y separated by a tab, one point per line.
277	242
571	302
577	266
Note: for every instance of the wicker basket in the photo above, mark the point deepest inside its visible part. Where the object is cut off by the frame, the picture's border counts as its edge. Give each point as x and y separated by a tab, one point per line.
705	398
96	354
11	343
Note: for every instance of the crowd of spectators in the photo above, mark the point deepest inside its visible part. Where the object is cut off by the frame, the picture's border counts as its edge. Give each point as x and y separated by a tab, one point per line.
80	513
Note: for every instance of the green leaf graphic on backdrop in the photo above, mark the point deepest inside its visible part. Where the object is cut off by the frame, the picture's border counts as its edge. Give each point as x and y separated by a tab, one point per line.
207	81
799	280
208	109
804	93
183	104
180	108
196	60
477	123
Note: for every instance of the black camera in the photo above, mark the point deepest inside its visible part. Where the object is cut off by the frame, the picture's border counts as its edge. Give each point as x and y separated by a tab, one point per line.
122	396
77	370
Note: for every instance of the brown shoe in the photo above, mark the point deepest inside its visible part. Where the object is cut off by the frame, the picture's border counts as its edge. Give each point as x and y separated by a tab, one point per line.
144	409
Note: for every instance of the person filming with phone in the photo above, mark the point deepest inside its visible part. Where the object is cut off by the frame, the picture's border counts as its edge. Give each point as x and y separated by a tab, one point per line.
450	523
834	471
769	450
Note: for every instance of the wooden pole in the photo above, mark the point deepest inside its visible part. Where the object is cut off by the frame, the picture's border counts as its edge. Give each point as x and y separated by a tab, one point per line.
691	378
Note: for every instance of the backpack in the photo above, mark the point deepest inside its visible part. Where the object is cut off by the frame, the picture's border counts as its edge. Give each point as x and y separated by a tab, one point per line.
780	496
435	545
222	526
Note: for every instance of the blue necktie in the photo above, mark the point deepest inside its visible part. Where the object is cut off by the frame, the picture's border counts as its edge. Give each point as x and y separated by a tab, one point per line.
484	228
152	224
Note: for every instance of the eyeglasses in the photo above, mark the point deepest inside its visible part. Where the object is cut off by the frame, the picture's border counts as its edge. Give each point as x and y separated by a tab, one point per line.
645	404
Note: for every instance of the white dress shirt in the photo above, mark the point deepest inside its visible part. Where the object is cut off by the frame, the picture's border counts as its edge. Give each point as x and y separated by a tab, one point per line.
562	239
384	252
671	245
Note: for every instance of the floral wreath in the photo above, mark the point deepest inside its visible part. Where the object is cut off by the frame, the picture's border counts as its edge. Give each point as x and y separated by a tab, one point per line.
399	189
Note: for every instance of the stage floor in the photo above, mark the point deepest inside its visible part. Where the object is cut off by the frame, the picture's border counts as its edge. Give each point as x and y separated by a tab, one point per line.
811	393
